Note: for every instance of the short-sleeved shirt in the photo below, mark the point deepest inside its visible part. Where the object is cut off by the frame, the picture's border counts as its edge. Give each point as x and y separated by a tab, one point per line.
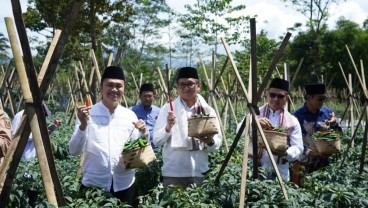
311	122
148	115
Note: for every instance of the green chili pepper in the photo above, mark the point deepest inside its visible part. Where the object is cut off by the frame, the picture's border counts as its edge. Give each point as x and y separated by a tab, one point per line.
143	142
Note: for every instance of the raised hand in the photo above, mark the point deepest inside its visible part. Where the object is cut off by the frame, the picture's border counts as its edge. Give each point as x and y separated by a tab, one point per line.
170	121
140	125
83	116
331	121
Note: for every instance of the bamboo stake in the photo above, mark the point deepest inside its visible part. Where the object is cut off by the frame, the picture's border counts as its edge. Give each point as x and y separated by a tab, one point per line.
273	64
297	71
245	164
351	107
32	116
162	81
135	82
20	140
364	145
229	100
355	67
78	84
350	92
140	81
254	115
91	77
110	59
214	104
46	62
97	69
84	81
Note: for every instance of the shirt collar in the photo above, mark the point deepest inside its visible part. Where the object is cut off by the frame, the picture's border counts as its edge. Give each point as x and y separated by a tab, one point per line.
147	109
275	112
305	110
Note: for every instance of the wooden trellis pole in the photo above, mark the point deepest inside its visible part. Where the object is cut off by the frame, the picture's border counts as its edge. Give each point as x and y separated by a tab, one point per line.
6	86
20	139
245	163
351	100
349	95
214	104
254	115
365	110
230	89
32	114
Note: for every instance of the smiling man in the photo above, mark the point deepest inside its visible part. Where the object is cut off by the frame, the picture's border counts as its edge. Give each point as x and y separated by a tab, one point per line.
273	114
101	131
185	159
313	116
146	110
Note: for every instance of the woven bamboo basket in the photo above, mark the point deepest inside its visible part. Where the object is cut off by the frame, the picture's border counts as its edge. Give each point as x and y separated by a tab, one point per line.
276	140
139	157
327	147
202	126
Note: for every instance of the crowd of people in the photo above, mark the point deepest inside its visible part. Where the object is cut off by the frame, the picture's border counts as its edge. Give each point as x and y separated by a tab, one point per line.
101	130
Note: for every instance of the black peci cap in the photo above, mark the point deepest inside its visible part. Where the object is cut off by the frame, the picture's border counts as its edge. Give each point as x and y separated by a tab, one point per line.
113	72
315	88
280	84
146	87
187	72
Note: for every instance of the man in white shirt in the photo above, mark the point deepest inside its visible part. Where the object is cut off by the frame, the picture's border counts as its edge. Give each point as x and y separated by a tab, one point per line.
101	131
30	150
185	159
273	114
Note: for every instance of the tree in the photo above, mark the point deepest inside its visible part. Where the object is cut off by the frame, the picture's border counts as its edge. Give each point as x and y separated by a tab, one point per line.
317	13
95	16
140	37
266	50
3	49
332	50
204	20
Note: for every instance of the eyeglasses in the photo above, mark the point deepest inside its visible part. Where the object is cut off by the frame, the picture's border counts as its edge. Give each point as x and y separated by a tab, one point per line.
273	95
190	85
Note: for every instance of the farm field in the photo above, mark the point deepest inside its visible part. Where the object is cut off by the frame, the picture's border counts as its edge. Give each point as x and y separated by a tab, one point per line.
74	41
333	186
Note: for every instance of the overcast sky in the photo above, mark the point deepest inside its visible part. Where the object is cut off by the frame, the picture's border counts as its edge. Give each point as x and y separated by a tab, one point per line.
273	16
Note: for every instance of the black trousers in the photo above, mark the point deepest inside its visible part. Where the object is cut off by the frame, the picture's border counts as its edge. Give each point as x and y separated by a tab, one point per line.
125	196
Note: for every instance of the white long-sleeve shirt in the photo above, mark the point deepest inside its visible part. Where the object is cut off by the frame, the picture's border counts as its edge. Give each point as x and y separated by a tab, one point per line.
182	163
102	143
293	153
29	150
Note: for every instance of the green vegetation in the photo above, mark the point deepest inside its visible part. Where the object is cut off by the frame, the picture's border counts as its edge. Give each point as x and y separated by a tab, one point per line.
326	135
145	35
140	142
332	186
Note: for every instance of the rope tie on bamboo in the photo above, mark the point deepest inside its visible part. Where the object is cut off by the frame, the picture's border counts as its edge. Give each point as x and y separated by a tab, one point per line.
3	93
35	105
255	107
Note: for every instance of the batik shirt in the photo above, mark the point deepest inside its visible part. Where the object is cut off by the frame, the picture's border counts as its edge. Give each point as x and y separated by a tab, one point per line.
312	122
